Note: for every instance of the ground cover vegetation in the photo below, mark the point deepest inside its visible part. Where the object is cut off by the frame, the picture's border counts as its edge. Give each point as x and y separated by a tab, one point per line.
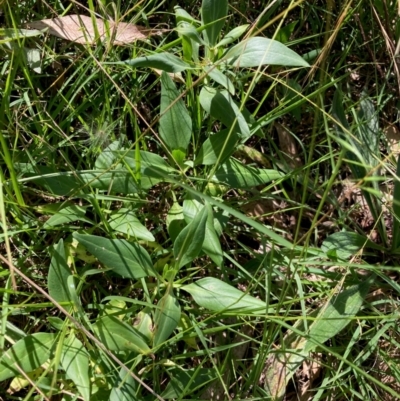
199	200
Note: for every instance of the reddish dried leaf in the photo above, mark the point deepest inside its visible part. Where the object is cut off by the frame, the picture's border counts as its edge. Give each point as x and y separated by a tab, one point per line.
81	29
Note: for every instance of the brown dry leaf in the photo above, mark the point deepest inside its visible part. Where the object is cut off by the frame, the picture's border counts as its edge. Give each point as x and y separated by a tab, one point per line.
274	375
310	372
80	29
288	146
393	137
175	76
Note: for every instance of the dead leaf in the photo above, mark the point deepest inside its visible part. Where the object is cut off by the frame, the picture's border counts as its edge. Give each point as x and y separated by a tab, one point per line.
175	76
80	29
288	147
393	137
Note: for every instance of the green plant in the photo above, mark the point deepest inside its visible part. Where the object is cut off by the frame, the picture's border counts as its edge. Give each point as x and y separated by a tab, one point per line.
151	291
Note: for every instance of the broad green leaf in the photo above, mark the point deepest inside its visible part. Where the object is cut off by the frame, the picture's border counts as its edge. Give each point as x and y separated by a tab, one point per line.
175	121
369	134
113	181
219	77
222	107
127	259
191	208
58	274
68	214
213	14
190	379
234	34
118	336
167	317
217	296
347	244
147	159
28	353
150	176
125	221
218	146
56	322
156	161
211	245
125	389
75	362
259	51
107	157
54	181
162	61
333	317
237	175
175	221
190	241
337	314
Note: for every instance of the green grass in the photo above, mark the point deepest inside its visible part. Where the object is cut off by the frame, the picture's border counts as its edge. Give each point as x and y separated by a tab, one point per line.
227	232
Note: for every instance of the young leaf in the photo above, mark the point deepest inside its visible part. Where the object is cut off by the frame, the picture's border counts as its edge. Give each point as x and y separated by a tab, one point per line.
222	107
28	354
237	175
217	296
213	13
144	324
234	34
125	221
58	274
75	362
167	317
188	30
175	221
124	258
161	61
118	336
258	51
182	15
175	121
190	241
211	245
